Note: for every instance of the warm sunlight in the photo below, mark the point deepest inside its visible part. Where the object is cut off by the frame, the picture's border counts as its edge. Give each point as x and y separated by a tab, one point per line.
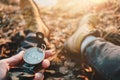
99	1
46	2
72	7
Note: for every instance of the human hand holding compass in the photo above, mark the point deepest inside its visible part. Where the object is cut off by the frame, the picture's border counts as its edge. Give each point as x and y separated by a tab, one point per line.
34	57
6	64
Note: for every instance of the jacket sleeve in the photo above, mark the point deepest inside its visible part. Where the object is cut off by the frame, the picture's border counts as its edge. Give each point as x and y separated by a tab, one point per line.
104	57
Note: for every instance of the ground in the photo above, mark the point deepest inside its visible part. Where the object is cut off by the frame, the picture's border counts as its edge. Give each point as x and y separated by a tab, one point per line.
61	26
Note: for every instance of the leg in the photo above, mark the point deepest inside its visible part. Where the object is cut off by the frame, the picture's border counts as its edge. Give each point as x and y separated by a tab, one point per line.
104	57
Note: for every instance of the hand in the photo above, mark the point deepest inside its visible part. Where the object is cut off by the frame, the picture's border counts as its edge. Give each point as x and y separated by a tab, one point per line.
5	65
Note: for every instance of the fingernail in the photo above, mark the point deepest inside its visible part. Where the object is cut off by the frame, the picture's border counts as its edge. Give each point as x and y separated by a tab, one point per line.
39	76
45	63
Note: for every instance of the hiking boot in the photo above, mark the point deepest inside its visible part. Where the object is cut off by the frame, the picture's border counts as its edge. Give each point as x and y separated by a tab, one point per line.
85	28
32	17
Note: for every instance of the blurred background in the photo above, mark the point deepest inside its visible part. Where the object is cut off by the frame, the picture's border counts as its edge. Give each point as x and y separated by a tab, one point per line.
74	6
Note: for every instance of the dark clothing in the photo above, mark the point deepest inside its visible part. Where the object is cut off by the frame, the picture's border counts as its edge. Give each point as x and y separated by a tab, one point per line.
104	57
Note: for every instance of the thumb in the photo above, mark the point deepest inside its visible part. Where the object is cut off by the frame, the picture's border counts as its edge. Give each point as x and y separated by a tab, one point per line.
14	60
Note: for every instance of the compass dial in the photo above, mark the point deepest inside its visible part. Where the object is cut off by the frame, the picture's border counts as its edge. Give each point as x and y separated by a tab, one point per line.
33	55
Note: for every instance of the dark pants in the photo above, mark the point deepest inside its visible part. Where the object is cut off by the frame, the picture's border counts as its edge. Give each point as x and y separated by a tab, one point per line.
104	57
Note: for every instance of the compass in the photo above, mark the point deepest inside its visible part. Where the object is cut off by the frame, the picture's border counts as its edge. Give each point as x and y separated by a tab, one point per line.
33	56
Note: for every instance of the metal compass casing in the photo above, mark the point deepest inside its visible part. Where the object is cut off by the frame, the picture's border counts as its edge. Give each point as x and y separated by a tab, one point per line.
33	56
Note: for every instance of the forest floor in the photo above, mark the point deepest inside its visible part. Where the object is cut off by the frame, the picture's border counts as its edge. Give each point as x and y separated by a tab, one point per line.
61	26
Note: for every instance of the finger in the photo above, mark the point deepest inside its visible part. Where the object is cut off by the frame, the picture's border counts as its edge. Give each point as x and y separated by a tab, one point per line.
45	63
49	53
14	60
39	76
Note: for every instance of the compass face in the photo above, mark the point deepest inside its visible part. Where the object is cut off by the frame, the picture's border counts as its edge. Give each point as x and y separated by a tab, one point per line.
33	56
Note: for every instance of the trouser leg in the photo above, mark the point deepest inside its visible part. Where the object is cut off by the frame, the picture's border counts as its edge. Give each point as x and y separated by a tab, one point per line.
104	57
